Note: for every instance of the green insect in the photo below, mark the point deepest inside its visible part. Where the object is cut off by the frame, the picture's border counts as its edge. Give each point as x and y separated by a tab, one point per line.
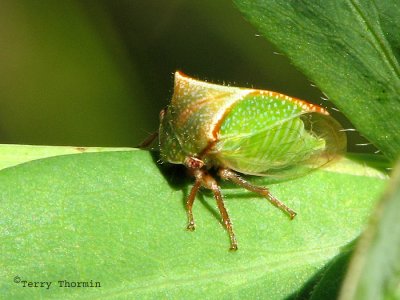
237	130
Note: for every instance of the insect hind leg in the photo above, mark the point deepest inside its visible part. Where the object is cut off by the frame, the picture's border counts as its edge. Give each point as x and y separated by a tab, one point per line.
235	178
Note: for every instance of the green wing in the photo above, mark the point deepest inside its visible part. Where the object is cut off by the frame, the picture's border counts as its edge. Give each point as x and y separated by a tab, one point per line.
276	137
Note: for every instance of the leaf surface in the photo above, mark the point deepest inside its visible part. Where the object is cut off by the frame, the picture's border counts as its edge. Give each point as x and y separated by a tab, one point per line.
118	218
374	272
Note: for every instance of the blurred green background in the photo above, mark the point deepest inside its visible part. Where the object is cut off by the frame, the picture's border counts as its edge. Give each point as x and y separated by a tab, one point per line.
97	73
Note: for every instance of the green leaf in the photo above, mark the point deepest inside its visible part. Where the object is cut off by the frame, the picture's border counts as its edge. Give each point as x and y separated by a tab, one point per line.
375	268
328	284
118	218
12	155
350	49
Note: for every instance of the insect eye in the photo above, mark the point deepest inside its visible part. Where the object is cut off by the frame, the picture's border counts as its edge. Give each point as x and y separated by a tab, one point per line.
162	113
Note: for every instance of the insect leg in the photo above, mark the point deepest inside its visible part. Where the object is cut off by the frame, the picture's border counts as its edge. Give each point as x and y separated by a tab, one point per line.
210	183
230	175
148	141
189	203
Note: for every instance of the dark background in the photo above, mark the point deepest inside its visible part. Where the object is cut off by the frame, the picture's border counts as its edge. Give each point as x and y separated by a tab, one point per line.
97	73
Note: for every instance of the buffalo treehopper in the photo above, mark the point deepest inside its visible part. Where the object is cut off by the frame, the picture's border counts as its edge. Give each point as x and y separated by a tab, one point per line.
238	130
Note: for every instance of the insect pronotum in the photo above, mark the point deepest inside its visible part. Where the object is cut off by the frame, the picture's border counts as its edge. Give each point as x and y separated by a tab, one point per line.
237	130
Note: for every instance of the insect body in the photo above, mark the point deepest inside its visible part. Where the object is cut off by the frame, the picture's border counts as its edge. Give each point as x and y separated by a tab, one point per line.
242	130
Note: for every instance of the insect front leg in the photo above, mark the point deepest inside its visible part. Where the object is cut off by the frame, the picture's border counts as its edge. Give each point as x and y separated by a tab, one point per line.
189	203
210	183
235	178
194	164
148	141
206	180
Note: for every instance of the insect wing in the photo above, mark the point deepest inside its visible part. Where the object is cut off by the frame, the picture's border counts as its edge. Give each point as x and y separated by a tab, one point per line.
277	138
